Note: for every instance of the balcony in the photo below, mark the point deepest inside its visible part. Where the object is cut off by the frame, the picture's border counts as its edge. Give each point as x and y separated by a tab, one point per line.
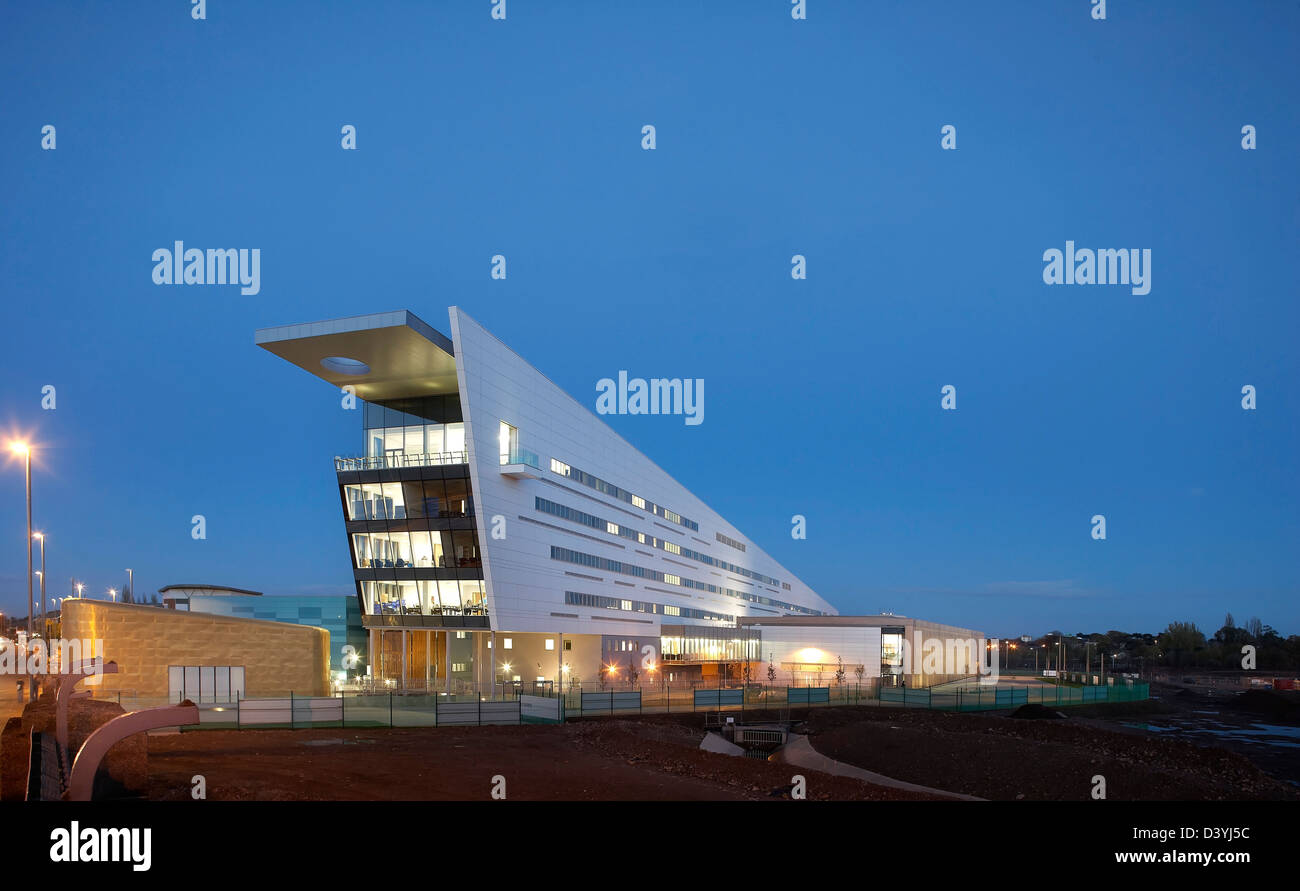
392	614
394	460
521	464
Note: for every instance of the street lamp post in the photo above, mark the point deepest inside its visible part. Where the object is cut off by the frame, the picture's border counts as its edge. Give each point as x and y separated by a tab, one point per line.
41	537
130	586
112	592
21	448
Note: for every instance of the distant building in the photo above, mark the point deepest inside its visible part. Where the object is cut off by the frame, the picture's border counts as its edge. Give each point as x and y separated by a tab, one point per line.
338	614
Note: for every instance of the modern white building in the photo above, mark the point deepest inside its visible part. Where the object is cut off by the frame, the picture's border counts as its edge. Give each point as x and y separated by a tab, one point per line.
501	531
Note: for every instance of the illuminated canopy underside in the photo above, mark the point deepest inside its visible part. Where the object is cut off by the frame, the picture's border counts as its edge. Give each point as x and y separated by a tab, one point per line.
406	357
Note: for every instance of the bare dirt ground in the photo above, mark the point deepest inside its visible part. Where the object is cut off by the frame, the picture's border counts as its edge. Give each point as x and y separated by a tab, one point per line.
999	757
1261	725
989	755
594	760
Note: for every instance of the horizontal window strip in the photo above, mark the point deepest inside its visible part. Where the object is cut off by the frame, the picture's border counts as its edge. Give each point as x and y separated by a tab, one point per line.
729	541
592	521
570	532
614	491
594	562
599	601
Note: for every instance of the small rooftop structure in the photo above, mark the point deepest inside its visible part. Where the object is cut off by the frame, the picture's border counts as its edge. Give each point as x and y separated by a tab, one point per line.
178	596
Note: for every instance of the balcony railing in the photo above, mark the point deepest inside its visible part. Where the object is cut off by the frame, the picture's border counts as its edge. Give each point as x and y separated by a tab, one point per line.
522	456
400	459
398	608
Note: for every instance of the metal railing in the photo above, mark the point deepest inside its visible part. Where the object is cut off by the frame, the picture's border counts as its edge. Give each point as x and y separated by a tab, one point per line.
522	456
396	460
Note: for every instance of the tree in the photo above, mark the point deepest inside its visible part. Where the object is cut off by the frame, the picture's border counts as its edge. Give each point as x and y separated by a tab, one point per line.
1182	640
771	670
840	673
632	673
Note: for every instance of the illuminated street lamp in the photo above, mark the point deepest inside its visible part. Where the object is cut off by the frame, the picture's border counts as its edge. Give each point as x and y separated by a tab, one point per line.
41	537
113	593
21	448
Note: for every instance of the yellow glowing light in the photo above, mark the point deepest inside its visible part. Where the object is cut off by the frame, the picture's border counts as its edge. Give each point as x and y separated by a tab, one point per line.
19	448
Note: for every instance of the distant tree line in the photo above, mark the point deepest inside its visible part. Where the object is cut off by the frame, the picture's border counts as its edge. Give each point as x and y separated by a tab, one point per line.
1180	645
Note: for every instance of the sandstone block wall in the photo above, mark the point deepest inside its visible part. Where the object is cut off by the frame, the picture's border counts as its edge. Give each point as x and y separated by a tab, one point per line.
278	658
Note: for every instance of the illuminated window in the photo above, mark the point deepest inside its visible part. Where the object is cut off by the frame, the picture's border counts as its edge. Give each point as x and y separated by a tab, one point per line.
508	440
509	643
638	501
550	644
559	467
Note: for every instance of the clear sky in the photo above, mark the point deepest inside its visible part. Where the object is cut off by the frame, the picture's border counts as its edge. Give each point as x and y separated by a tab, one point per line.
774	137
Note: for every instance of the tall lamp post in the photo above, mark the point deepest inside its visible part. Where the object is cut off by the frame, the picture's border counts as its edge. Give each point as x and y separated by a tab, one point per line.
41	537
129	595
21	448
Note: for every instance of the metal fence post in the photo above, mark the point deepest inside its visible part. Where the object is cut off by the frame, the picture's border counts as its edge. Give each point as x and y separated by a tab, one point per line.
291	710
390	709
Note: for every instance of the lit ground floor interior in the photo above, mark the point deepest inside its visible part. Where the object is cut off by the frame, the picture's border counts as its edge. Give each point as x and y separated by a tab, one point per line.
452	661
859	650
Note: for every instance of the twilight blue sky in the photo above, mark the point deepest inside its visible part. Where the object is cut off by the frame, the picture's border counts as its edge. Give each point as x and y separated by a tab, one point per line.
775	137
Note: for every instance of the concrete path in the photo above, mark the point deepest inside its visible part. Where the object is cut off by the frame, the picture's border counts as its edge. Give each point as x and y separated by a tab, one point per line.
799	752
712	742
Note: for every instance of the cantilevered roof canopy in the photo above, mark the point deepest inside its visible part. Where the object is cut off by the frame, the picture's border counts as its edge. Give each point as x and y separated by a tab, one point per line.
389	355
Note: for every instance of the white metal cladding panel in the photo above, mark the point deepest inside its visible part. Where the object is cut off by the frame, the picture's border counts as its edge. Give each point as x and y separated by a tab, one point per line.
525	585
540	707
823	643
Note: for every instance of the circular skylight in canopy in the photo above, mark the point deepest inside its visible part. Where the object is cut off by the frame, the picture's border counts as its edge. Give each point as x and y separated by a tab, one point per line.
344	365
